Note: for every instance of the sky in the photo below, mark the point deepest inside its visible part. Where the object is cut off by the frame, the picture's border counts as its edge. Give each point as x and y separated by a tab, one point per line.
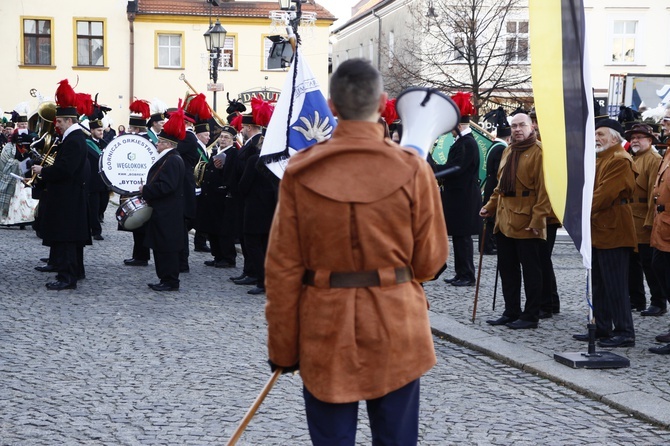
339	8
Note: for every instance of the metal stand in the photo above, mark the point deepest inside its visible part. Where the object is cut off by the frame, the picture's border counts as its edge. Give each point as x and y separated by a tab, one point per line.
592	359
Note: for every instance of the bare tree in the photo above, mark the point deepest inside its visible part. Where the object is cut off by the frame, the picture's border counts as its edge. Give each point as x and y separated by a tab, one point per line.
479	46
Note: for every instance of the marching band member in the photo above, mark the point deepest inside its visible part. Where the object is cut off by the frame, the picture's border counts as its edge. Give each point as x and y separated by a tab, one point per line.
65	218
164	193
98	195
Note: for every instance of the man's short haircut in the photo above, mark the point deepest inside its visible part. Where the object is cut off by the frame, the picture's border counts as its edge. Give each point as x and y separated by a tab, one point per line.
355	88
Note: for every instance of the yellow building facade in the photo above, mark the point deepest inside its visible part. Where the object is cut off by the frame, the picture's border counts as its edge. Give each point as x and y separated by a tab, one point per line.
122	50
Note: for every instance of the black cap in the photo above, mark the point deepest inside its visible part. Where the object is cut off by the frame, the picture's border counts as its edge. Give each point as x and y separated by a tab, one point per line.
229	129
610	123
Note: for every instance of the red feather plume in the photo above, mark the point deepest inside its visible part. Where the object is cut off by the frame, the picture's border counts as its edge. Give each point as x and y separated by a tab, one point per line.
261	111
141	107
462	100
175	126
198	107
236	123
65	95
390	114
84	104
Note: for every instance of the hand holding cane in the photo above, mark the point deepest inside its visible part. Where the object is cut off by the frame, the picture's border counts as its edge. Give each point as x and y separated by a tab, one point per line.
479	271
254	407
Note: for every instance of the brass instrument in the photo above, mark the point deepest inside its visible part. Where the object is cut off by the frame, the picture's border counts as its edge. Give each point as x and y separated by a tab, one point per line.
42	123
220	121
199	170
45	160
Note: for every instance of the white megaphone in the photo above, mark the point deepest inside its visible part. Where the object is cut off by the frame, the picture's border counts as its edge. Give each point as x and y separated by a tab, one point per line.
425	114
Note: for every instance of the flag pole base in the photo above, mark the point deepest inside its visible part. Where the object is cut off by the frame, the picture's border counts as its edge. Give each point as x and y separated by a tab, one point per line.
601	360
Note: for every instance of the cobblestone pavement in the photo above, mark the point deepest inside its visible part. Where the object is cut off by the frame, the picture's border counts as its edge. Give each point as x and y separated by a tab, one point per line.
115	363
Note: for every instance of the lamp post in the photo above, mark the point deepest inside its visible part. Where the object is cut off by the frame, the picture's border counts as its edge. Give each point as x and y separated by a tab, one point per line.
295	12
215	38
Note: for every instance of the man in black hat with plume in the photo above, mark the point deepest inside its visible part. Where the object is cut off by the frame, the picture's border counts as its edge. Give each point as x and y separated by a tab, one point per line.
65	214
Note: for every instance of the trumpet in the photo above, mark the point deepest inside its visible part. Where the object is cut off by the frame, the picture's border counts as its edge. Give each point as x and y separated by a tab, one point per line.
44	160
220	121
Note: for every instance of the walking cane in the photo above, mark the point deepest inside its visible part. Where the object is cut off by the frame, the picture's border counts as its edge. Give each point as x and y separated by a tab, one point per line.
479	272
254	407
495	286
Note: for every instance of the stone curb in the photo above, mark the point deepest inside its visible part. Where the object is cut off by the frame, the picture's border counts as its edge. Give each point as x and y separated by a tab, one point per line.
610	391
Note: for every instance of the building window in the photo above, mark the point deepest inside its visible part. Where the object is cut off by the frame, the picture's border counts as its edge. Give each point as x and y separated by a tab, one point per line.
90	43
460	50
267	46
517	41
170	50
623	41
37	42
227	61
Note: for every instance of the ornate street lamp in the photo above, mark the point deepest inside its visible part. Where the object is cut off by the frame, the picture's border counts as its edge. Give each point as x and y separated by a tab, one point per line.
215	39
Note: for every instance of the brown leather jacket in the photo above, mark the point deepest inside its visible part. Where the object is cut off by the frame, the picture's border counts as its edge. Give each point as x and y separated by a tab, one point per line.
357	202
530	206
611	216
660	231
642	202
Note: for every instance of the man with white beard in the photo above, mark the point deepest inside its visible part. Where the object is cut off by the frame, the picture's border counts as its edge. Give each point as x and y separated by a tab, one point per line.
612	238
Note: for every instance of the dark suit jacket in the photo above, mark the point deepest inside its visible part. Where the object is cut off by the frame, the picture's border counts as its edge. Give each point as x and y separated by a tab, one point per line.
65	214
461	196
164	192
188	150
260	198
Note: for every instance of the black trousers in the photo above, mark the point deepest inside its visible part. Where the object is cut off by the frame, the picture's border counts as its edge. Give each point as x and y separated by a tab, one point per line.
257	246
167	267
660	262
104	201
489	238
550	300
199	239
94	213
463	262
515	256
611	303
248	267
639	269
223	248
140	252
65	257
183	254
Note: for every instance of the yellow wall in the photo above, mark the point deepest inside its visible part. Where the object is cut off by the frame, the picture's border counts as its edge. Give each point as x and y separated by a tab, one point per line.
113	82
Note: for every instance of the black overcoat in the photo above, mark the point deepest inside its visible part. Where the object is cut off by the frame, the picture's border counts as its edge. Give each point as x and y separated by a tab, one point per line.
164	192
493	158
65	214
93	155
260	198
461	195
211	201
188	150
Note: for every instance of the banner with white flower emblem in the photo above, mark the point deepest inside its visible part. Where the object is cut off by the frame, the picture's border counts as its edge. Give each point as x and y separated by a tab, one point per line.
301	118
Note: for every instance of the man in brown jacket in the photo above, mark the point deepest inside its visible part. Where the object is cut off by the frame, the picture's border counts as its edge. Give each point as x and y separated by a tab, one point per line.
612	237
521	205
358	227
660	239
646	162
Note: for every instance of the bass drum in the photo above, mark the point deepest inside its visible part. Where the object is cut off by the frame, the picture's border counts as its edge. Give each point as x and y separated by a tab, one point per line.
133	213
125	163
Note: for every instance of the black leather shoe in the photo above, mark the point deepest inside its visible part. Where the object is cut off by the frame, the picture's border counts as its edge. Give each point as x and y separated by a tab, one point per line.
463	282
246	281
240	277
163	287
223	264
665	337
185	270
204	248
637	307
45	268
59	285
453	279
98	237
134	262
585	337
653	310
44	259
256	290
665	350
545	314
617	341
520	324
502	320
210	262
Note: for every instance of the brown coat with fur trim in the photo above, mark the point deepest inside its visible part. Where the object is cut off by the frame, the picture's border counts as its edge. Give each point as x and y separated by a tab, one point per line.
357	202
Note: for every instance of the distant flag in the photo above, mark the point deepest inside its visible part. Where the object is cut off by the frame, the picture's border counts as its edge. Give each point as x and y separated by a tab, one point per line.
564	105
298	123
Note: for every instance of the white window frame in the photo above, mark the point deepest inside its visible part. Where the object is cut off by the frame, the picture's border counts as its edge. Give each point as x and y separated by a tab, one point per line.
517	36
170	48
637	36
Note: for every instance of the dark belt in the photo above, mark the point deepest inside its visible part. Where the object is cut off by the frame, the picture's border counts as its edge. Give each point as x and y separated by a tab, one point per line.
525	193
639	200
359	279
